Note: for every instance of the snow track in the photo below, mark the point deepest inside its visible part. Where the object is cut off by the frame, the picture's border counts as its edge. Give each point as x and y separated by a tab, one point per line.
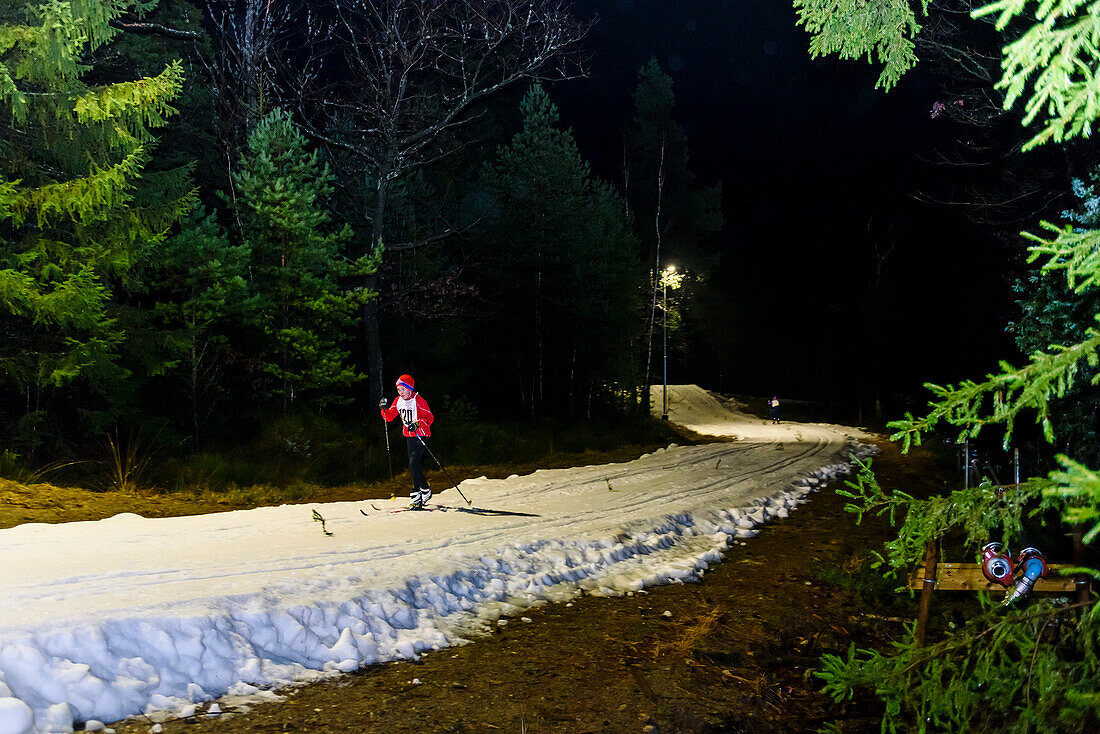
103	620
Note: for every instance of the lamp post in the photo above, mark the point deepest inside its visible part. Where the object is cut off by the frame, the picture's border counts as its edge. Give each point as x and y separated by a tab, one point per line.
665	275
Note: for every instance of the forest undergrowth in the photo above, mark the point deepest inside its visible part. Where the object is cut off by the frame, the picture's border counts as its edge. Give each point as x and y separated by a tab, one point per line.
296	459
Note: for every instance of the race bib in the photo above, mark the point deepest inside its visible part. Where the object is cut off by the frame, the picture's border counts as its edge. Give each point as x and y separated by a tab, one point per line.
407	409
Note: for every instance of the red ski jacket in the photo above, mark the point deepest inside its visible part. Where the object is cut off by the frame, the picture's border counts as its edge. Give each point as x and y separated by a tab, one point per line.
414	410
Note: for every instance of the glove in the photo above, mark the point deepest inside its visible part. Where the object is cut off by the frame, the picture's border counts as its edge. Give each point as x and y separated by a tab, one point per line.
383	404
412	426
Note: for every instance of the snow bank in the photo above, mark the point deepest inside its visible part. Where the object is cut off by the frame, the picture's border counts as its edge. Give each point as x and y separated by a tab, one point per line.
104	620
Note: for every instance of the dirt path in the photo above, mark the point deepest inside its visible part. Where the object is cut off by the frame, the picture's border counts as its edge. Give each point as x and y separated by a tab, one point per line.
729	654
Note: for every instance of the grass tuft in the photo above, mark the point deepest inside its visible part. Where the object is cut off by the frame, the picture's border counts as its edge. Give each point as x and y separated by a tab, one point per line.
127	463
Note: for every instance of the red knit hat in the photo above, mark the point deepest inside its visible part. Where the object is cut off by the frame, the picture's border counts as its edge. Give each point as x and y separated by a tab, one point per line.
407	381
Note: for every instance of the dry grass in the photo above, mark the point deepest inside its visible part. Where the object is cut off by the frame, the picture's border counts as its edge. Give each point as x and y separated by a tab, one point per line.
689	636
757	683
853	564
127	463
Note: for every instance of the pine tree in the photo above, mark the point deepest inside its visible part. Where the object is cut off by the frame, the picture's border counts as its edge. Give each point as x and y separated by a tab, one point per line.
563	266
201	296
78	212
296	299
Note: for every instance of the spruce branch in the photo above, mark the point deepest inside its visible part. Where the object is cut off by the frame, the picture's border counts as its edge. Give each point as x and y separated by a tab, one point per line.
881	31
1076	490
1076	251
1003	396
133	106
1058	57
982	676
976	678
869	495
979	512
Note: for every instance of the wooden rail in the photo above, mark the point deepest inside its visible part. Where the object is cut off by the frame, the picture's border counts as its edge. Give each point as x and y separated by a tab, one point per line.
969	577
934	574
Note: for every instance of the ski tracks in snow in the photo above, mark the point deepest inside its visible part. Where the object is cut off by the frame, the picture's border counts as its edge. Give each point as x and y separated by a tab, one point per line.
103	620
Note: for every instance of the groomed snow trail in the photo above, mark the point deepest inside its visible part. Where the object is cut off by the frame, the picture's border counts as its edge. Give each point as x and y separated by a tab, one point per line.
128	615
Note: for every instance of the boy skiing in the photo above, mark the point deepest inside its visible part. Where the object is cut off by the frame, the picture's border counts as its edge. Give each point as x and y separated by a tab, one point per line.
416	418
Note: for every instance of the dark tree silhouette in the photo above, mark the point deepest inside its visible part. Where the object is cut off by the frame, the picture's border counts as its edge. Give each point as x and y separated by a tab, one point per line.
414	71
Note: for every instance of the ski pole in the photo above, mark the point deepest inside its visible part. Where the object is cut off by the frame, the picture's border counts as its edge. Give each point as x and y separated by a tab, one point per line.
453	483
389	458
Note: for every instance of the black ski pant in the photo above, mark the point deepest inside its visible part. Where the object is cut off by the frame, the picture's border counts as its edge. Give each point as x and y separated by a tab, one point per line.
417	447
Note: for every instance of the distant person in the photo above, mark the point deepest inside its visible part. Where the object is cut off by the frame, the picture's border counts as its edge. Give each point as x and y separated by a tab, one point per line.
416	418
773	409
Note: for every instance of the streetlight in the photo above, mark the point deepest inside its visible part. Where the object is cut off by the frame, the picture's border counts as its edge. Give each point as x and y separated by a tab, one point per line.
666	275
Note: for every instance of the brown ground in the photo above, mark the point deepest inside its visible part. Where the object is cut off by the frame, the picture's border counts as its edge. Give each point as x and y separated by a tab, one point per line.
729	654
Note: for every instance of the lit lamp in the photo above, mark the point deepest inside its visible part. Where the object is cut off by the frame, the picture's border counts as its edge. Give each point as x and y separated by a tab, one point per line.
666	275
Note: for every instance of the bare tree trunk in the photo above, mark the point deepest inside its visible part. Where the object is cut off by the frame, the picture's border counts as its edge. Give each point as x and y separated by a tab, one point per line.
626	174
253	50
572	380
202	375
656	269
372	321
883	250
519	374
371	324
536	368
243	69
194	390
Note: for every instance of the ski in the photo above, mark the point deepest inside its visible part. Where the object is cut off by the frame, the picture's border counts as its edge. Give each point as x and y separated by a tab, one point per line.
425	508
445	508
487	511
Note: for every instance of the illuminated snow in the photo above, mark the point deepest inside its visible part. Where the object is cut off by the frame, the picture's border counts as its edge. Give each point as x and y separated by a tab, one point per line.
108	619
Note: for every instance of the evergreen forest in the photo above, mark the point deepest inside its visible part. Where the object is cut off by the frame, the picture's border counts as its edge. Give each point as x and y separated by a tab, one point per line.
233	225
227	226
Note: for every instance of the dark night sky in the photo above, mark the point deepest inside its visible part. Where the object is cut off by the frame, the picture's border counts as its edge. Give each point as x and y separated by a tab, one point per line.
809	153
